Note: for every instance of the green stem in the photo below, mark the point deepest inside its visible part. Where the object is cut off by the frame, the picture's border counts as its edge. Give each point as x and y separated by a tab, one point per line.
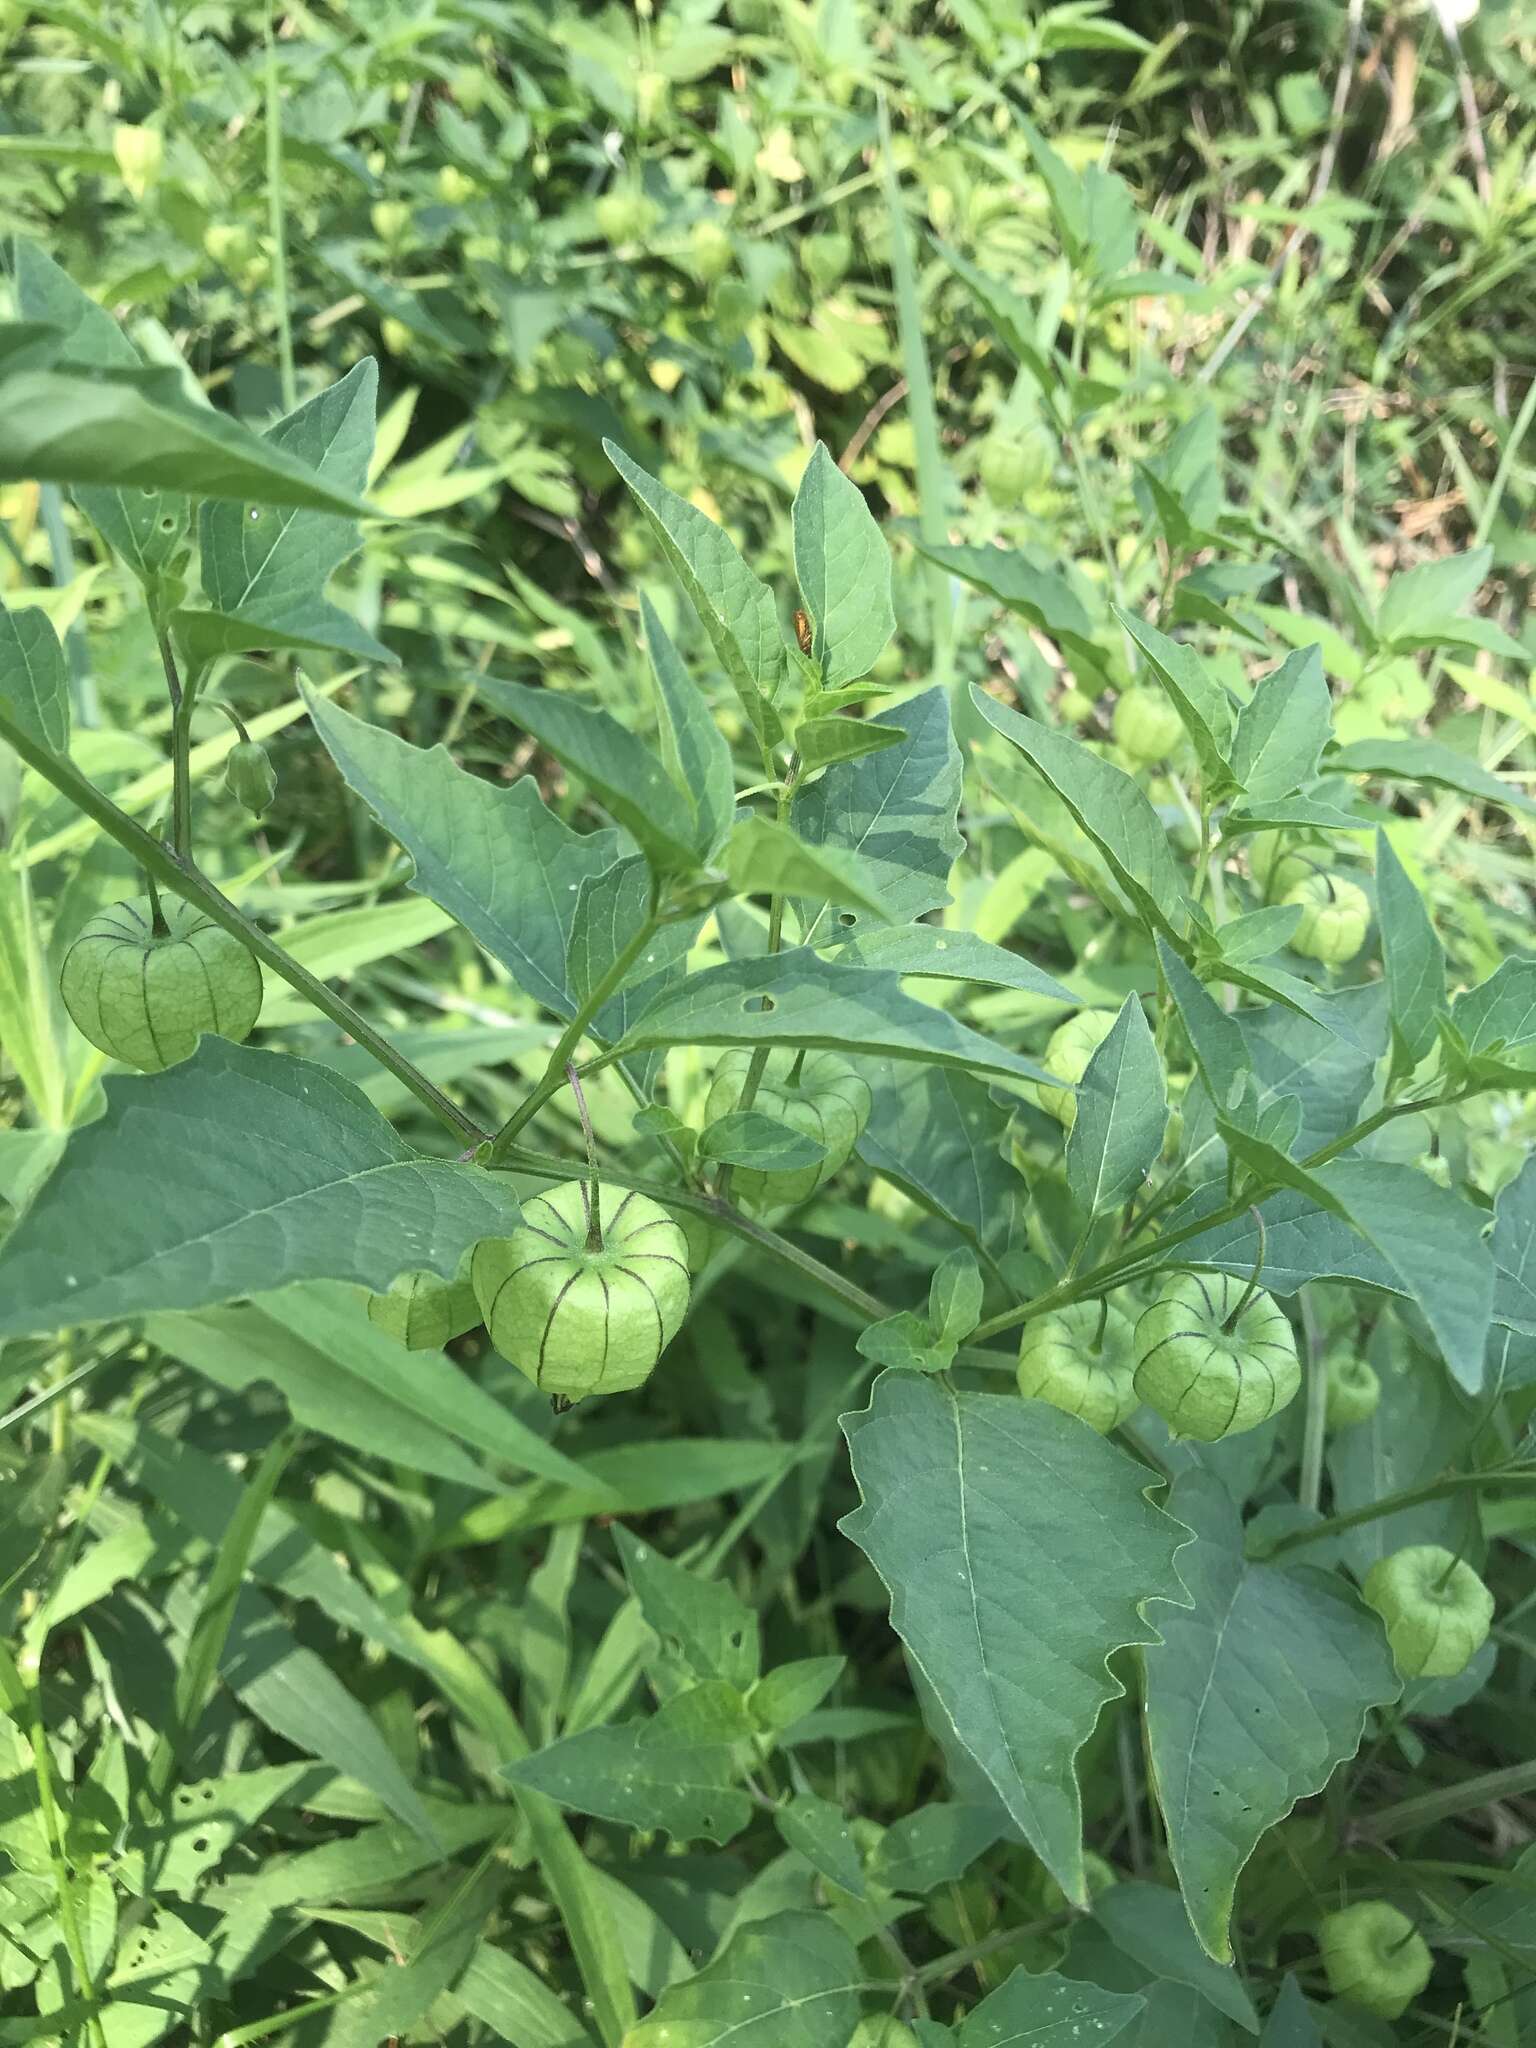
277	227
1395	1503
1427	1808
1314	1437
570	1038
195	888
181	748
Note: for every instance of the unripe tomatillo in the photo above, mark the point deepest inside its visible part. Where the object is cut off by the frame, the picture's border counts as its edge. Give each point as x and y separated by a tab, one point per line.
140	152
1374	1957
819	1093
229	245
624	215
1067	1052
1013	460
389	219
1082	1359
1436	1609
1147	728
424	1312
455	186
1074	707
1354	1390
250	777
1335	917
711	251
145	995
581	1317
1208	1380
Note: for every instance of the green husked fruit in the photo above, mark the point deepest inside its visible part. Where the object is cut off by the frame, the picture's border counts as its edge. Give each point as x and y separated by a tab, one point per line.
1074	707
1374	1957
250	777
1082	1359
1067	1052
1013	461
580	1320
711	252
829	1100
423	1312
624	215
1436	1609
146	997
1206	1381
1335	917
1354	1391
1146	726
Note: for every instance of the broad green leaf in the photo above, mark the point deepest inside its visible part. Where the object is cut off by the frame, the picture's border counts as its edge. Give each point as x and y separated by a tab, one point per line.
355	1865
1290	2023
736	607
1256	935
265	1169
955	1296
1494	1024
821	741
816	1001
1148	1926
610	909
1069	204
627	1479
1513	1244
696	753
1037	593
1047	2011
33	682
204	1821
933	953
792	1981
1412	958
1014	321
933	1845
1122	1114
618	768
134	430
1283	728
1110	808
1020	1554
843	567
896	810
497	858
266	567
1255	1695
765	858
1301	1243
1204	705
1416	601
1390	760
819	1830
1422	1425
700	1620
1215	1037
937	1133
745	1137
674	1771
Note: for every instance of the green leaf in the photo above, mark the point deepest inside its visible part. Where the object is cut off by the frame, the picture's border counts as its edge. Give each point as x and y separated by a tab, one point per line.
673	1771
736	607
618	768
745	1137
134	430
1047	2011
33	682
937	954
843	567
1513	1244
496	858
1420	599
695	751
1110	808
1412	958
1421	1426
936	1133
1122	1114
265	1169
1020	1554
896	811
955	1296
1204	706
610	909
1254	1697
1069	204
1148	1925
267	568
816	1001
1215	1037
765	858
1290	2023
821	741
1038	594
1494	1024
1256	935
933	1846
1283	728
792	1981
1427	761
819	1830
699	1619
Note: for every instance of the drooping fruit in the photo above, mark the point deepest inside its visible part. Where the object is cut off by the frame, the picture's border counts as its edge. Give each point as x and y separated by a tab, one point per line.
424	1312
1206	1380
1335	917
1436	1609
1067	1052
1147	728
823	1095
1082	1359
146	996
1374	1957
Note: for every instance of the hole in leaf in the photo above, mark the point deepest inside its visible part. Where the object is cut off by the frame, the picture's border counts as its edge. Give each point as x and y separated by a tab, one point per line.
847	917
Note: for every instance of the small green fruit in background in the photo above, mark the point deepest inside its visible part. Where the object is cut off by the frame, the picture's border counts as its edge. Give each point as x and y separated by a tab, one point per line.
455	186
1074	707
250	777
1274	867
229	245
822	1095
1354	1390
1436	1609
711	251
1067	1052
1374	1957
390	219
1335	917
1146	726
140	152
1082	1359
1205	1380
1014	460
825	258
624	215
396	336
146	996
424	1312
580	1318
883	2030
